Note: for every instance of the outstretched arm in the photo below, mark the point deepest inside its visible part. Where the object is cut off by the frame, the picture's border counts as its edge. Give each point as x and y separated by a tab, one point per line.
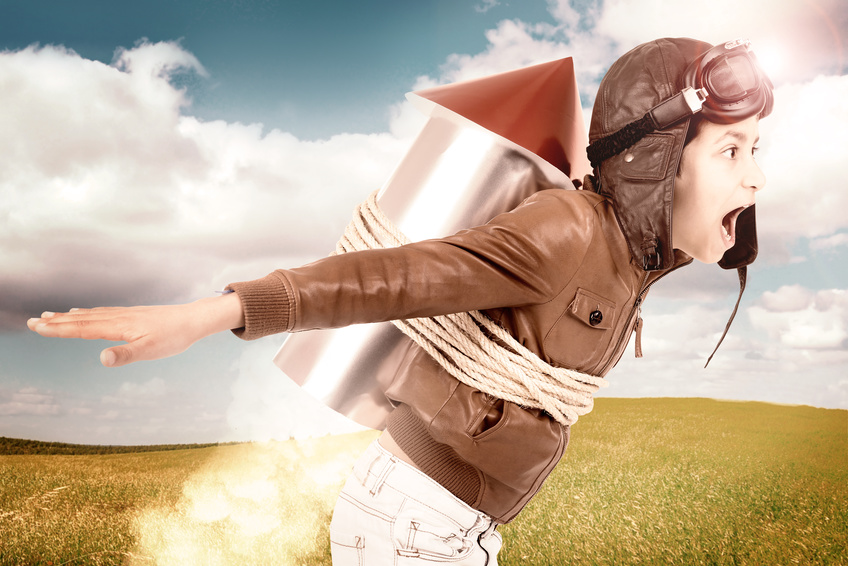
150	333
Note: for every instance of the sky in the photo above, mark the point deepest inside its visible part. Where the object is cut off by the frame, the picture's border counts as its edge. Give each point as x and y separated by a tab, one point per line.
155	151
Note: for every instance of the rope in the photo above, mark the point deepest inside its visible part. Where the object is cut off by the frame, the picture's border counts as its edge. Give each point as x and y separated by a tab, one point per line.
472	347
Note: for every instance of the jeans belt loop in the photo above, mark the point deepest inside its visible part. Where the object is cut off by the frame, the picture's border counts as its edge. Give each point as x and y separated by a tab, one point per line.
387	465
490	530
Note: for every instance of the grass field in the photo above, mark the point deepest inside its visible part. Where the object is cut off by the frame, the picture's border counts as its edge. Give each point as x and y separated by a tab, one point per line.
645	481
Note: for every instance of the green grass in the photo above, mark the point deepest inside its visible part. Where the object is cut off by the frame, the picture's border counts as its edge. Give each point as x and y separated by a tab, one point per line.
645	481
17	446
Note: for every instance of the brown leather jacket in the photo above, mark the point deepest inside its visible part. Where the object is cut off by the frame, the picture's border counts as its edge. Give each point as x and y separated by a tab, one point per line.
541	271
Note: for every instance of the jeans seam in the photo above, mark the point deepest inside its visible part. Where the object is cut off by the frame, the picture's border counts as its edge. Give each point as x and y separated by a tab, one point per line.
363	507
413	522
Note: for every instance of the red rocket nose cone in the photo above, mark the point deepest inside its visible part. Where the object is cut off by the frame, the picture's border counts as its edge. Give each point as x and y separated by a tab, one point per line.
536	107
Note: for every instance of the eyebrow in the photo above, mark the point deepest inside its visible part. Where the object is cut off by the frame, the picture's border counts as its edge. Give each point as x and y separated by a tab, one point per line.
741	137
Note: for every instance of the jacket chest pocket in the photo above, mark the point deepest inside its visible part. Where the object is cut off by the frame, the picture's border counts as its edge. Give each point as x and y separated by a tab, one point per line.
580	336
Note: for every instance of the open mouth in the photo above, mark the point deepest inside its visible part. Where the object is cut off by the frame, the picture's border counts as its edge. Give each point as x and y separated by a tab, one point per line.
728	225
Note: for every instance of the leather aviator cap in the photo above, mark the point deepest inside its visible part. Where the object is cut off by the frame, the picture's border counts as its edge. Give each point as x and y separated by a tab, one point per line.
640	179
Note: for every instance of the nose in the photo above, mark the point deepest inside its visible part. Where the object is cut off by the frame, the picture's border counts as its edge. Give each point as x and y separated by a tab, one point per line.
754	176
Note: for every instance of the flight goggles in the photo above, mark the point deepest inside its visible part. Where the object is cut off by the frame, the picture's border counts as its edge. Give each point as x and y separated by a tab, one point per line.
725	84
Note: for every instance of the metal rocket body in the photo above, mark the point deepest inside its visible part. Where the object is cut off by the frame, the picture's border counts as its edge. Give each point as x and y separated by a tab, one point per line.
485	148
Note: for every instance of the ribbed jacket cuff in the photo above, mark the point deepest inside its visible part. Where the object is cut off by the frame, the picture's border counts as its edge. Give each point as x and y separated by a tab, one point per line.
268	305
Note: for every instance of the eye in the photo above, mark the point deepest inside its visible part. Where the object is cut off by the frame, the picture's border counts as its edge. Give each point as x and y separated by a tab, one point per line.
755	150
730	152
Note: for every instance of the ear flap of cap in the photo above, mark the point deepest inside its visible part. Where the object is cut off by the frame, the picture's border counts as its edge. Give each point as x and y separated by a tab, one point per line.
643	177
744	252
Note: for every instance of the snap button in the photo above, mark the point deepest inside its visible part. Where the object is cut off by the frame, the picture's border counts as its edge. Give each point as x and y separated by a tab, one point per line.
628	158
595	317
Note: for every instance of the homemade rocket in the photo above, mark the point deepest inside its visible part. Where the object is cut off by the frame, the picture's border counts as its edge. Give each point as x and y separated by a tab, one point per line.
489	143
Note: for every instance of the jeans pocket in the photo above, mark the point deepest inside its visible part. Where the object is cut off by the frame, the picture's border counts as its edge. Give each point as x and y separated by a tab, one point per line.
347	549
431	541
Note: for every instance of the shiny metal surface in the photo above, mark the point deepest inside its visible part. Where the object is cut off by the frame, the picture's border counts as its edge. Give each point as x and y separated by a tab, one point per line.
456	175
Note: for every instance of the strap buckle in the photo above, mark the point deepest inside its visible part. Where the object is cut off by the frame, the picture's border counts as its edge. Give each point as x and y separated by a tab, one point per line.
695	98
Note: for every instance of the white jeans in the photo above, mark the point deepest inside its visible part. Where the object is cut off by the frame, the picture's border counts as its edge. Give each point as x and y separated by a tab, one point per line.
390	514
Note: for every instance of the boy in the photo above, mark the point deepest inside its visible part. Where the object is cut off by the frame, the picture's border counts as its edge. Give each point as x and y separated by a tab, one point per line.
564	274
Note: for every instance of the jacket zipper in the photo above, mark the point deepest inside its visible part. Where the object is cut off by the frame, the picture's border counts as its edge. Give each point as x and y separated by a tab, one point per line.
625	334
637	310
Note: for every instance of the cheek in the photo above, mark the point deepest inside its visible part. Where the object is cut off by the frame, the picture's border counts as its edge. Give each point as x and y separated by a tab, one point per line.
690	228
693	194
684	202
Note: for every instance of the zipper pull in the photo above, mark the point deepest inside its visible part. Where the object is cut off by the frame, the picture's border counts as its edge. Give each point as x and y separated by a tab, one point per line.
639	332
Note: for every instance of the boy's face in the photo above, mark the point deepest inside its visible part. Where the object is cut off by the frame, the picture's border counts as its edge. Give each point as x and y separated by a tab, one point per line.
718	178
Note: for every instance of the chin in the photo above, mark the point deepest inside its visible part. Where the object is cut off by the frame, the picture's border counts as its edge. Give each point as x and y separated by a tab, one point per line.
709	258
705	256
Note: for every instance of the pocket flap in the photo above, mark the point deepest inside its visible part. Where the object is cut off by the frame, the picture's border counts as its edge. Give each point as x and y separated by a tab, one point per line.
593	310
648	159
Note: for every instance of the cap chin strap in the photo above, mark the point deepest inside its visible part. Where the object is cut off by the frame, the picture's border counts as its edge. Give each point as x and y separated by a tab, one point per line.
743	278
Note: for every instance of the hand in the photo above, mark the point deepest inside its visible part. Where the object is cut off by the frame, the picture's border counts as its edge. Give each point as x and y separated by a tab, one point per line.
150	333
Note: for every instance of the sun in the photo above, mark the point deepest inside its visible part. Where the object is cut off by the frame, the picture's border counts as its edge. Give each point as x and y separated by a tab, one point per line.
771	59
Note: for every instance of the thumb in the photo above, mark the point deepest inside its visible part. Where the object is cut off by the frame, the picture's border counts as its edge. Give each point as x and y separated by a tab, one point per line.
117	356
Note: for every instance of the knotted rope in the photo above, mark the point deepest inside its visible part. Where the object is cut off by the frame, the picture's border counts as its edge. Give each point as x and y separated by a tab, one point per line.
472	347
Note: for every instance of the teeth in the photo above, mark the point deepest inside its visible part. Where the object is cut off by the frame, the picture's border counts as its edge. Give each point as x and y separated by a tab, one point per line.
726	233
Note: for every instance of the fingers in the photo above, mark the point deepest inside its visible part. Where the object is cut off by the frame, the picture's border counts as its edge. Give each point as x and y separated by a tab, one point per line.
88	323
33	322
76	312
99	323
80	328
117	356
108	358
150	332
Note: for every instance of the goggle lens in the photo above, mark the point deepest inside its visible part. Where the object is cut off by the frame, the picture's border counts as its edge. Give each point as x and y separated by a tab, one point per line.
732	78
725	84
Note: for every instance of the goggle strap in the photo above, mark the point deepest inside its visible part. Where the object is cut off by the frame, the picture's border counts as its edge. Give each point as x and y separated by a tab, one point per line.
682	105
668	112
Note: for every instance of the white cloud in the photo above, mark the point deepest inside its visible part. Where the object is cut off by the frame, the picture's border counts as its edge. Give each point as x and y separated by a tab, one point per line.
829	243
803	140
564	13
131	394
514	44
158	60
111	415
807	37
804	144
788	298
28	401
790	347
267	405
838	391
804	320
111	194
485	6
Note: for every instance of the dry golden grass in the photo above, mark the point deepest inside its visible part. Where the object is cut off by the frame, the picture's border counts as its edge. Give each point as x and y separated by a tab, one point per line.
645	481
259	503
692	481
80	509
254	504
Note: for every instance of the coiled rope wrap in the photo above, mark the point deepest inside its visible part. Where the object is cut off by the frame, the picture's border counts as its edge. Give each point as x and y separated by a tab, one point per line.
472	347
